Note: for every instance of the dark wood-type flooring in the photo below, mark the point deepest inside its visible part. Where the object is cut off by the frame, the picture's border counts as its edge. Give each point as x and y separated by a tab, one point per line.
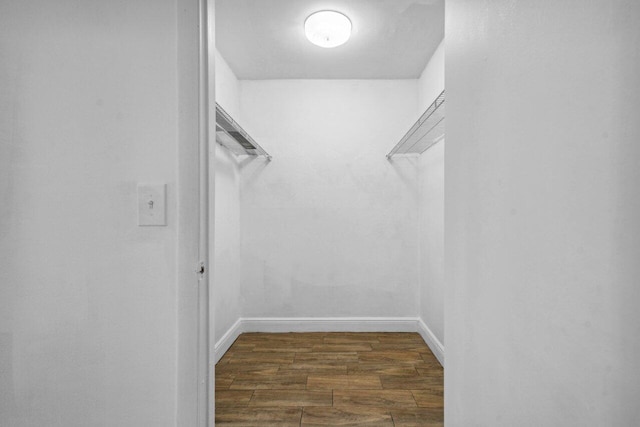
329	379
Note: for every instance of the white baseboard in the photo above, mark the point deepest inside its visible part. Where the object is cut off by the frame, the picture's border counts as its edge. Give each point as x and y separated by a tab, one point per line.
328	324
223	344
434	343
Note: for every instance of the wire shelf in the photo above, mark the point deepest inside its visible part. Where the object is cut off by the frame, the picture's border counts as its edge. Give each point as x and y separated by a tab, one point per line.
230	134
428	130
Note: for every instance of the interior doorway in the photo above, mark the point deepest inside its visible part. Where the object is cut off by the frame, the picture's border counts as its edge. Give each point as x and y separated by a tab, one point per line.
328	183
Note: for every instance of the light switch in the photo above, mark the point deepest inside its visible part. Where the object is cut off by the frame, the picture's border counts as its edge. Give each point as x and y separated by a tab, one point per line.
152	204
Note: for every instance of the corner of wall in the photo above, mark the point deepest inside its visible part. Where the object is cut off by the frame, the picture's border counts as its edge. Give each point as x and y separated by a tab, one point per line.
225	342
437	348
430	85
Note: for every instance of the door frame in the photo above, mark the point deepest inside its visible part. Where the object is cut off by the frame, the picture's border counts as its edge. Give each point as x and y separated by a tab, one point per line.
206	131
194	398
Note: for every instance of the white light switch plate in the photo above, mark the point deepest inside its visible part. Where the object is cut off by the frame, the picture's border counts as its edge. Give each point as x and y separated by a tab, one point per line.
152	204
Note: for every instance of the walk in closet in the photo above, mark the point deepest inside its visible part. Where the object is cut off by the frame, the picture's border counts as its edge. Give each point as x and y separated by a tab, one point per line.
339	228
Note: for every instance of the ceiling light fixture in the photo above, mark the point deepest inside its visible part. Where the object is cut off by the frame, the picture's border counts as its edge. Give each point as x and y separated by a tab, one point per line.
327	28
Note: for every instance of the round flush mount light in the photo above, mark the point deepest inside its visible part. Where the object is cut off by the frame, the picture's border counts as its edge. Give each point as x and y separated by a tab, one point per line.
327	28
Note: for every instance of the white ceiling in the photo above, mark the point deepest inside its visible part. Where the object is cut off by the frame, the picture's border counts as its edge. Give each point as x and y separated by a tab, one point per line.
392	39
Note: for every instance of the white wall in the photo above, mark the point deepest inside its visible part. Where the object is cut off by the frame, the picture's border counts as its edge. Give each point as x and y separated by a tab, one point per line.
227	265
329	227
88	108
542	213
431	208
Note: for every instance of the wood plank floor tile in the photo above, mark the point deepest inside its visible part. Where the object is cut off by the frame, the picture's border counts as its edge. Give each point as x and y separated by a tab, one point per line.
271	382
357	338
421	364
283	348
416	347
273	358
345	416
281	398
429	357
251	417
344	382
233	397
415	382
344	357
344	348
381	369
223	382
311	368
435	371
429	398
329	379
374	398
418	417
387	356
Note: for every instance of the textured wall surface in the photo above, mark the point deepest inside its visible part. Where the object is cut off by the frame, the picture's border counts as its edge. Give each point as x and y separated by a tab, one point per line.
88	109
329	227
542	213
